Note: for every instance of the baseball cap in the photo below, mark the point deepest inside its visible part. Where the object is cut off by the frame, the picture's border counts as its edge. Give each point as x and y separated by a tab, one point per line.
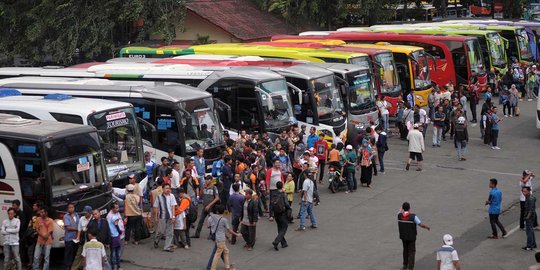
87	209
130	187
448	240
526	172
349	147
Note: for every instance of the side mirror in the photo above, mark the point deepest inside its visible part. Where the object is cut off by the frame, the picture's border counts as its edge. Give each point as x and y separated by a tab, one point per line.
148	132
224	109
266	98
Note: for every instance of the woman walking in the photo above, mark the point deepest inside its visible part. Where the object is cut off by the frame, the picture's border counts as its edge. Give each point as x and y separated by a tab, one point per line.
366	171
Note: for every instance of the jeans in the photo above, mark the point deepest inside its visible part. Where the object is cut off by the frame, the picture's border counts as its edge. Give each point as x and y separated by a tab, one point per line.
282	225
165	228
494	220
307	207
531	239
461	148
248	233
506	107
202	219
235	222
221	248
180	238
494	136
12	252
322	164
424	129
134	224
409	251
522	216
70	251
380	154
115	257
437	134
351	179
431	112
42	248
473	110
385	124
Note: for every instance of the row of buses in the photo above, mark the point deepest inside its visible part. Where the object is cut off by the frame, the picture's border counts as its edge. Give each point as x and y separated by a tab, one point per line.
181	99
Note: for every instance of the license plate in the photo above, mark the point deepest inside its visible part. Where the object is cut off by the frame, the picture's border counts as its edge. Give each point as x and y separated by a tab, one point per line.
103	212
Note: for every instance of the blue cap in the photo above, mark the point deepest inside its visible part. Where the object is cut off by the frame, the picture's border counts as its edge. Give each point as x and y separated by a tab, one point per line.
87	209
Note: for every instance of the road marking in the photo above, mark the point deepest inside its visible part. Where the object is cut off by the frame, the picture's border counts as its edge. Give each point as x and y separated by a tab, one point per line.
511	231
441	166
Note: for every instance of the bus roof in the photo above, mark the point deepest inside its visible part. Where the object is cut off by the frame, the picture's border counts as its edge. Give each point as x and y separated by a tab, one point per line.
319	43
269	51
97	87
156	51
67	104
38	130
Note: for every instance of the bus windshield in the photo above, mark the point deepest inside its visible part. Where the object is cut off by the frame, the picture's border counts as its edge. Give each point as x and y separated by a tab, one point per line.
361	91
74	163
327	97
202	128
281	115
496	50
388	72
475	56
119	138
523	44
363	62
420	70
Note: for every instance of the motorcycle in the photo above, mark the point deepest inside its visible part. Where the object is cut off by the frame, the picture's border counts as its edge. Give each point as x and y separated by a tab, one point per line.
335	182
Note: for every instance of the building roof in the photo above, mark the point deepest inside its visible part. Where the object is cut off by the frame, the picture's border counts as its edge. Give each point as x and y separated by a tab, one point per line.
241	18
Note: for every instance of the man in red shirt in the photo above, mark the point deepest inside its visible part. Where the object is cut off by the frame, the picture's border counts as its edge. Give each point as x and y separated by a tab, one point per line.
321	152
44	228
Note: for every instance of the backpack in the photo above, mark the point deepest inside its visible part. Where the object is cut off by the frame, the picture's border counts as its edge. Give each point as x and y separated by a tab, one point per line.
191	213
278	205
216	168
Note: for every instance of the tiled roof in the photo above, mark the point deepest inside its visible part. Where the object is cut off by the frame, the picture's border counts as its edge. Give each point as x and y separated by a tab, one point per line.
241	18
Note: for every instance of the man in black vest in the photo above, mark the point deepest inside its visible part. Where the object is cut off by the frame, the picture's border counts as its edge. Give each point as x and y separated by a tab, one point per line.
407	222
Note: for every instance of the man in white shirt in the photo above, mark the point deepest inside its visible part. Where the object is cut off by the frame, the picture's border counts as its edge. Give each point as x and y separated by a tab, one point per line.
383	106
165	217
175	180
447	257
93	253
10	231
306	206
424	119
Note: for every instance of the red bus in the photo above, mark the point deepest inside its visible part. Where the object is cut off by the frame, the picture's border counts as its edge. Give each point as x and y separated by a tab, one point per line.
458	54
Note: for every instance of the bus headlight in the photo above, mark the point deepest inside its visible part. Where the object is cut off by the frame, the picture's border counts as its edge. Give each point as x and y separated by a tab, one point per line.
421	98
60	223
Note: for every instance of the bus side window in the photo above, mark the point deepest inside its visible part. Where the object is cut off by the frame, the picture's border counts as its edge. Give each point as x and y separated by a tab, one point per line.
67	118
20	113
300	110
2	170
248	106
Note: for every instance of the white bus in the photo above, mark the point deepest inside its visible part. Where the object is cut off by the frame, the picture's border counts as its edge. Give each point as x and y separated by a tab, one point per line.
172	117
115	121
53	162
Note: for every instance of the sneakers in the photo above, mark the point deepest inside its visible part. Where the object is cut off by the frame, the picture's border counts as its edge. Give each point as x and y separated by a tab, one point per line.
186	247
495	148
270	219
300	229
527	248
506	115
313	226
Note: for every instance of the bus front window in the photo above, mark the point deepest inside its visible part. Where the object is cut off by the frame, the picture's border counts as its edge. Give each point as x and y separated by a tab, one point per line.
363	62
327	97
281	115
119	136
475	56
523	45
361	91
388	72
420	70
202	127
168	132
74	161
496	50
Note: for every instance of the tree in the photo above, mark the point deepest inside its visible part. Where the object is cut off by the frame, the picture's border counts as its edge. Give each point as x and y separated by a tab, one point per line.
57	30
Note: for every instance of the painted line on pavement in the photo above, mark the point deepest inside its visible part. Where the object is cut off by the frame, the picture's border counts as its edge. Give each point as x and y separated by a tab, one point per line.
512	231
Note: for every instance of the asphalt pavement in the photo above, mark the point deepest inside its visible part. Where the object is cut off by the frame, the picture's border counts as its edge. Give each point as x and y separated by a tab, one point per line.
359	230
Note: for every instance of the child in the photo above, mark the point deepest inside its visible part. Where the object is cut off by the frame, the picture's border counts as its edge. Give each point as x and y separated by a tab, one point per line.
289	188
180	229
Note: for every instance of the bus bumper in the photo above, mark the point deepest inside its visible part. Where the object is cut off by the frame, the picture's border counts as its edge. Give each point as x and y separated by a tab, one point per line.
421	96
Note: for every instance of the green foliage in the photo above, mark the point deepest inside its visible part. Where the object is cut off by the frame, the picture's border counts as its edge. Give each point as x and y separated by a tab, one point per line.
202	39
54	30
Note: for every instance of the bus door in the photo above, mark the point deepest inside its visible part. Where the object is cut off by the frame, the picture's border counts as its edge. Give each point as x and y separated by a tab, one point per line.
10	187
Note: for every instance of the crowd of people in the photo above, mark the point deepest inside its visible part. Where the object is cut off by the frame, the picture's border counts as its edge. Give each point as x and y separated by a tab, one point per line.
258	177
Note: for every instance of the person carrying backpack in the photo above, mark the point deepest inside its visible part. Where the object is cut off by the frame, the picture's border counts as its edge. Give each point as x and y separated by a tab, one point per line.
282	212
210	197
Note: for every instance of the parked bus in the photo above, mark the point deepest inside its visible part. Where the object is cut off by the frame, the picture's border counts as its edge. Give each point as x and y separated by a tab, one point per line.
172	116
355	82
115	121
53	162
518	39
457	53
492	45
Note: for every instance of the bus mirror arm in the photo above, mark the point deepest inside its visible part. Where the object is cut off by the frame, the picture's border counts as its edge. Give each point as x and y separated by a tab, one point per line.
432	59
269	99
297	90
344	93
224	107
153	131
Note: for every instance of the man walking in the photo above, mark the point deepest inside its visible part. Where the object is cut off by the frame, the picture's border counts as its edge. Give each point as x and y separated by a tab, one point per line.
71	226
530	216
209	196
164	208
248	218
494	202
407	223
10	231
447	257
236	202
306	205
461	138
350	168
438	126
382	147
494	128
416	147
282	218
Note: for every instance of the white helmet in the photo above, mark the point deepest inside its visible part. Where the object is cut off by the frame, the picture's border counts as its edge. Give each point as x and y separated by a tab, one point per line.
461	120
